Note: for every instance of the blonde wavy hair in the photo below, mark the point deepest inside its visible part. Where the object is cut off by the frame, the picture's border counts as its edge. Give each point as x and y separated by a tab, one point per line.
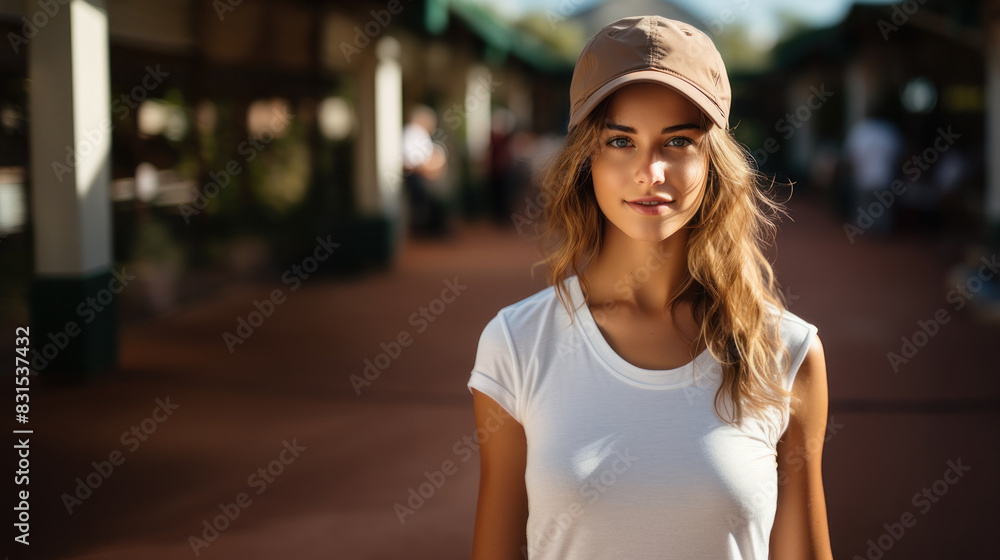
729	282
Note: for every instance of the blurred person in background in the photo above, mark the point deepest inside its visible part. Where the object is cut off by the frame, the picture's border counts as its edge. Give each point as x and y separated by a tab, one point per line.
656	400
424	163
501	162
872	149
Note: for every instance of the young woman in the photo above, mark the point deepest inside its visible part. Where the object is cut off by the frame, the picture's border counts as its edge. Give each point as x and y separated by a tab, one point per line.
656	401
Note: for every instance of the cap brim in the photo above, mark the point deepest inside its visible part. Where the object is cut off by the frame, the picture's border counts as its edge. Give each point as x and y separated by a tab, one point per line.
685	88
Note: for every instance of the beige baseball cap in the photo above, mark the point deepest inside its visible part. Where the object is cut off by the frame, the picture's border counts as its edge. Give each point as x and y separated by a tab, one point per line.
651	49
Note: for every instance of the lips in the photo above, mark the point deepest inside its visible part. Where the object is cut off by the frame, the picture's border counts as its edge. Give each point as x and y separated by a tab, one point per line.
650	201
650	205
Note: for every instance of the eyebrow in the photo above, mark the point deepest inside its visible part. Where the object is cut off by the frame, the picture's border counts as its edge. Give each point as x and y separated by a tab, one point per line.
666	130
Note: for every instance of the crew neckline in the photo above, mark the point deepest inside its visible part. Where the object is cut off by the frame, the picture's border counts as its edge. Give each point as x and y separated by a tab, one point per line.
656	379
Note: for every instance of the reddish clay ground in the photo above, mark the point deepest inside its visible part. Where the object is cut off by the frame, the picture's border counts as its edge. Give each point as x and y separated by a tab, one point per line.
290	382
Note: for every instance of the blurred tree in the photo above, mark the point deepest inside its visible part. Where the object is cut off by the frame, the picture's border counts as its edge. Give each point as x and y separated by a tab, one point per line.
741	50
563	36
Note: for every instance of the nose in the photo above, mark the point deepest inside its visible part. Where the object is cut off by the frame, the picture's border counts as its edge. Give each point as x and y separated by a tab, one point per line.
651	170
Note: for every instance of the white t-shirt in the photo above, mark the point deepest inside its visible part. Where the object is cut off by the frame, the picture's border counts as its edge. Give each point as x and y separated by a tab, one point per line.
873	146
417	146
625	462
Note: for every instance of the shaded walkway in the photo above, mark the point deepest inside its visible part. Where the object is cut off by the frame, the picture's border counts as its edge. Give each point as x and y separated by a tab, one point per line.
291	382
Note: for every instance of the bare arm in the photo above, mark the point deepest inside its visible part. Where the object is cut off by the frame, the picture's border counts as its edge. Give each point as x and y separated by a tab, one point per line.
434	168
801	531
502	509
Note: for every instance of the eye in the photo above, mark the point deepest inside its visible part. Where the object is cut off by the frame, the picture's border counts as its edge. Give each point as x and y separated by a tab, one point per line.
680	142
619	142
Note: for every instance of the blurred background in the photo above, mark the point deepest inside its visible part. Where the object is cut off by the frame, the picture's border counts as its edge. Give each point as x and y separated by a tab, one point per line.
255	243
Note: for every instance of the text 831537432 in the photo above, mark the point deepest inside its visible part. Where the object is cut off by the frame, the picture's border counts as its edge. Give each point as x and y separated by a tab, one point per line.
22	381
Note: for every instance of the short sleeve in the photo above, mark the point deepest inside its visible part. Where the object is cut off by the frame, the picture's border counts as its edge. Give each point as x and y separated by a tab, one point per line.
798	338
495	372
797	351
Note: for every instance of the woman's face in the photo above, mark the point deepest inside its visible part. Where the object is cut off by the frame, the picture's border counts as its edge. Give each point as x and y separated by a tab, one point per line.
650	173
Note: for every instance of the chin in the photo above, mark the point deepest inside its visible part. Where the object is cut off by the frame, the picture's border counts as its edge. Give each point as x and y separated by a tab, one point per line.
655	238
649	234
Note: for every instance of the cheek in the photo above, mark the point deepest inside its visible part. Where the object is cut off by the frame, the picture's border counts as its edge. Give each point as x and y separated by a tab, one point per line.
606	179
692	180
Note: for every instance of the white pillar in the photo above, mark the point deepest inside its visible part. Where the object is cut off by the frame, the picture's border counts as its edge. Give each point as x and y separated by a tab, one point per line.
69	97
379	158
71	140
389	125
478	116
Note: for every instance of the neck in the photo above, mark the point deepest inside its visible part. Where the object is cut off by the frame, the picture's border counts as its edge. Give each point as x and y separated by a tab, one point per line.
643	274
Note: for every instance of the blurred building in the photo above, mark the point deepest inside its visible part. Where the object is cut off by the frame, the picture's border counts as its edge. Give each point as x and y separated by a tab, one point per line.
173	135
594	18
924	66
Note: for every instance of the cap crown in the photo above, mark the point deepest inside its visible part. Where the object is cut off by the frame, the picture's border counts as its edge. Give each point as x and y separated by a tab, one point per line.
652	49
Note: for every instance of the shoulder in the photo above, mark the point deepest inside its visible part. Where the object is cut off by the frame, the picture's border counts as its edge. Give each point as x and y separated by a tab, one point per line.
796	333
799	338
539	302
508	342
791	323
810	382
806	373
531	312
519	327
